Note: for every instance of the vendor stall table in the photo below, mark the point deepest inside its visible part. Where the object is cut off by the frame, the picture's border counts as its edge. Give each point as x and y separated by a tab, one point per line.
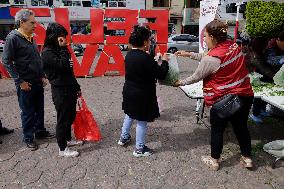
268	92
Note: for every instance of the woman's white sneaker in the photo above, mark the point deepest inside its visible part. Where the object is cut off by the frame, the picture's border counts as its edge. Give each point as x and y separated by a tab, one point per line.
74	143
68	153
143	152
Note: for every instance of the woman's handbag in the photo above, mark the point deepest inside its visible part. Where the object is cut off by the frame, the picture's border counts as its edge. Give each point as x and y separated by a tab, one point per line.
227	106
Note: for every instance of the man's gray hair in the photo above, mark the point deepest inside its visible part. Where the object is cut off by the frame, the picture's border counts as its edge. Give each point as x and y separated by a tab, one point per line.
22	15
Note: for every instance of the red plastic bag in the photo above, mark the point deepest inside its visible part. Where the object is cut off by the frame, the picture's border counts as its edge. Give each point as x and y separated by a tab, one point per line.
85	126
3	71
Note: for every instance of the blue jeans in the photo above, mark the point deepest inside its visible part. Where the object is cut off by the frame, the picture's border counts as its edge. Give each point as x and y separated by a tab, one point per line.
141	130
32	110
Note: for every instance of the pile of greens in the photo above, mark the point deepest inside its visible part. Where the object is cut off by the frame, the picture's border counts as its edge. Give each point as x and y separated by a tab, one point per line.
173	73
267	89
264	19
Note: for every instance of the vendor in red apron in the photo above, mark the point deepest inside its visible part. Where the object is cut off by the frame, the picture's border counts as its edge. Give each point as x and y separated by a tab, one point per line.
226	84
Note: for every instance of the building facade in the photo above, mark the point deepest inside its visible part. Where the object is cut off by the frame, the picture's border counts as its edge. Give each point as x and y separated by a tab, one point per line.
79	10
175	8
184	14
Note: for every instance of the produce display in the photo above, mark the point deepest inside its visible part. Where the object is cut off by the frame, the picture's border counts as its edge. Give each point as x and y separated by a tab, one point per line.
265	89
259	88
194	90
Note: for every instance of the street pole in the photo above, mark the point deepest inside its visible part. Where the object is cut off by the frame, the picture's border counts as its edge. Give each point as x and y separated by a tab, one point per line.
184	17
237	20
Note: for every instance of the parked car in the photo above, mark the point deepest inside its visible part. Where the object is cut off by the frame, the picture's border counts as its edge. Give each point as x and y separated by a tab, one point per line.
78	49
183	42
2	43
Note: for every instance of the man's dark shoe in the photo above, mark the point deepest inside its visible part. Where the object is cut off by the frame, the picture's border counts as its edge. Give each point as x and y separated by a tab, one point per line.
6	131
32	146
44	135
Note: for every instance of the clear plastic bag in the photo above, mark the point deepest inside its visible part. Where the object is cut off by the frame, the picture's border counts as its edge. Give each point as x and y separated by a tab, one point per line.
173	73
279	77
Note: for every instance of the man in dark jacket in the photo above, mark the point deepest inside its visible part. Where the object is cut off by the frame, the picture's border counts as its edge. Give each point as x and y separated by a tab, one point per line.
22	60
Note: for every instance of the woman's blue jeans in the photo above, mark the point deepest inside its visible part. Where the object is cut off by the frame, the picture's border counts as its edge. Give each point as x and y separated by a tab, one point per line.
141	130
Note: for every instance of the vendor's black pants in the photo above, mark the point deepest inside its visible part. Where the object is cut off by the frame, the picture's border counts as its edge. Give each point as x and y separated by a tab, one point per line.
239	123
258	106
64	99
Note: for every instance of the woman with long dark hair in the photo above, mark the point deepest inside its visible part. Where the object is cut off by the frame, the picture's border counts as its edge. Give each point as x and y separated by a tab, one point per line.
64	86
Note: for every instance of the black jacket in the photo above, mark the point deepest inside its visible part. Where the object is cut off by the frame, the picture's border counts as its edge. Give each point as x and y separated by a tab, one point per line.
139	90
21	58
57	67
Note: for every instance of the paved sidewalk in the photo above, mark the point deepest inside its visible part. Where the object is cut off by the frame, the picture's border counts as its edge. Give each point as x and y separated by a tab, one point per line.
177	140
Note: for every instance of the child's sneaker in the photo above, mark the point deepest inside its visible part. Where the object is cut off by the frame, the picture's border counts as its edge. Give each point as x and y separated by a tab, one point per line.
143	152
74	143
123	141
68	153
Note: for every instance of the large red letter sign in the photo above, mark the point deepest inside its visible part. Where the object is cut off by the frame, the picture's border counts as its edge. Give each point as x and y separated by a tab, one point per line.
103	63
160	25
130	20
97	29
96	37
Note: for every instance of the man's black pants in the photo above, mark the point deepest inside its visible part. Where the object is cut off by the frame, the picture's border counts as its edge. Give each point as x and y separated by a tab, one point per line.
239	124
64	99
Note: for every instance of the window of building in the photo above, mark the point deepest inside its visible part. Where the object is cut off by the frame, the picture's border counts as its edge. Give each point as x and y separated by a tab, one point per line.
71	3
39	2
103	3
161	3
121	4
117	3
4	2
19	2
112	4
87	3
192	3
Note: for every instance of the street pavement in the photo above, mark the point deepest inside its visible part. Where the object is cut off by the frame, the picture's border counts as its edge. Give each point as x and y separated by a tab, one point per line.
178	142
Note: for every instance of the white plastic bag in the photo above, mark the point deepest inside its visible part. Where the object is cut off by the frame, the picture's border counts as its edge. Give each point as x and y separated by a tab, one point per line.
173	73
275	148
279	77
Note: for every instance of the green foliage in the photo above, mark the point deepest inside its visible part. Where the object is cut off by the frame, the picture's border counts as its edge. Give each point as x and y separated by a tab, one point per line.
264	19
88	28
256	148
